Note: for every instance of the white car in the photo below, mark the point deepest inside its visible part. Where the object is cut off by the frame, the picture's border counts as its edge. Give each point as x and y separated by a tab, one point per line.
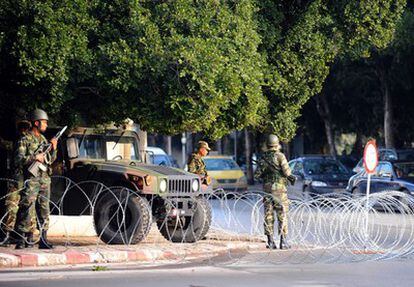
159	156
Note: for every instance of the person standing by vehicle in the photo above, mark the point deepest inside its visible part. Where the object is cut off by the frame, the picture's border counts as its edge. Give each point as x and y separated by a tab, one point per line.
196	164
13	194
274	171
36	193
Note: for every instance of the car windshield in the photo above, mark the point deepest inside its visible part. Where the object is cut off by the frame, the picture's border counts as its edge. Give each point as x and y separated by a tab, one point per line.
220	164
108	147
161	159
324	166
404	169
387	154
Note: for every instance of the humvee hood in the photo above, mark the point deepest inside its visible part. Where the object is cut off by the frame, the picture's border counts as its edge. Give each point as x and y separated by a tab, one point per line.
143	168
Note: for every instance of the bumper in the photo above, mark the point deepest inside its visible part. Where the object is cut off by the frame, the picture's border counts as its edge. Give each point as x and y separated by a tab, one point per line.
328	190
232	187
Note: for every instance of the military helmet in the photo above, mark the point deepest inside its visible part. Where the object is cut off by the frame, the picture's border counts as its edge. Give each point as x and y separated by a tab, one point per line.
203	144
272	141
38	115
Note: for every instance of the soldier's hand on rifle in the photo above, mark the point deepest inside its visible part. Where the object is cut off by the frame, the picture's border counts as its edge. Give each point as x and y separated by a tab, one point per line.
40	157
54	143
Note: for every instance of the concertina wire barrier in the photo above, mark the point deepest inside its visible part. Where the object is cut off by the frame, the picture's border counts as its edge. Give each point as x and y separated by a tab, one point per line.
333	228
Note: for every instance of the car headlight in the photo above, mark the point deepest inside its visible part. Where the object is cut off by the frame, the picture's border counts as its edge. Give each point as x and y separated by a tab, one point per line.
163	185
318	183
195	185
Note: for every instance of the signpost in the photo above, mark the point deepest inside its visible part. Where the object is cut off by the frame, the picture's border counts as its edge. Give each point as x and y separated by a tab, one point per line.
370	164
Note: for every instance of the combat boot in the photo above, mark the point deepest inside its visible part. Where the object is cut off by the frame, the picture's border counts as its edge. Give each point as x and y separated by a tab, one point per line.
43	243
29	240
5	240
283	244
21	242
270	242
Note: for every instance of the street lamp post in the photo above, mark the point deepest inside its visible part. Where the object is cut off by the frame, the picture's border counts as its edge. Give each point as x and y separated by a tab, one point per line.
183	142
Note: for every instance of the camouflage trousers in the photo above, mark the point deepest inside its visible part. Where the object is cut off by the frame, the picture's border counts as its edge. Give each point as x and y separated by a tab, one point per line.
275	200
35	198
12	205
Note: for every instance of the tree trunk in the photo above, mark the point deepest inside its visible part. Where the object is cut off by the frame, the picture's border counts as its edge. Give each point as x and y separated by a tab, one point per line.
381	67
225	145
167	144
325	113
219	146
248	154
388	111
358	146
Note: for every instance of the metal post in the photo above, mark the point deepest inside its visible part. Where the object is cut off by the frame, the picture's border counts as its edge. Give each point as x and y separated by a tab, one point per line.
367	209
235	146
183	142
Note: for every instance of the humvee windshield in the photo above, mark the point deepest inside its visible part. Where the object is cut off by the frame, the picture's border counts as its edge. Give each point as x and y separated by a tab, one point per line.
108	147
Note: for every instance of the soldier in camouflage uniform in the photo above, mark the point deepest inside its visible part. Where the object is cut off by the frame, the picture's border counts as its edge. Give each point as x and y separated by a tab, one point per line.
36	193
13	195
274	170
196	164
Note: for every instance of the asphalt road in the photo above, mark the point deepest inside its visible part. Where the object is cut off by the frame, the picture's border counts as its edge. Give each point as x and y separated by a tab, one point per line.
387	273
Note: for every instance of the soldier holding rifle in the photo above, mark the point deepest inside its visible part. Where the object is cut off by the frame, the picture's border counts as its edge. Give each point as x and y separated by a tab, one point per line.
274	171
33	156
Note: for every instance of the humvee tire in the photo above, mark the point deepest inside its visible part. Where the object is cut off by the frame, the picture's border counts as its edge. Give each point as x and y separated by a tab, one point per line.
121	217
188	229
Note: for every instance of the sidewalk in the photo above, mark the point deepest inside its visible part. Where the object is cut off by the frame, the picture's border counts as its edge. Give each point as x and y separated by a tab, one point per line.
87	250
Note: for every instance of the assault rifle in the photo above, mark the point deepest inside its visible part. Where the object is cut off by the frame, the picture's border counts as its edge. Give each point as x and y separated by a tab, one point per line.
291	178
44	148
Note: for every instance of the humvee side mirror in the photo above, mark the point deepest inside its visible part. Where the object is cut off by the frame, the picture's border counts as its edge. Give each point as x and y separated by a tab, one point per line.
73	148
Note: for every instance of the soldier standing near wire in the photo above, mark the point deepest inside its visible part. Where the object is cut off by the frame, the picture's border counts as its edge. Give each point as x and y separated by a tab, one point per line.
274	170
13	195
196	164
36	193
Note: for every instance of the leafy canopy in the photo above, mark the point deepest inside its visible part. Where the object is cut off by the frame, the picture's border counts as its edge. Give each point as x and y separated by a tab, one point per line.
208	65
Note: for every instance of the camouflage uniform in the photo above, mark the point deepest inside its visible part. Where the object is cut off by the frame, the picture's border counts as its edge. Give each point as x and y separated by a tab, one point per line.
274	185
37	189
13	200
196	165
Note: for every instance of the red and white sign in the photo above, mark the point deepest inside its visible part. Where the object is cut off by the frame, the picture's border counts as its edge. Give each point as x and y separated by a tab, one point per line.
370	156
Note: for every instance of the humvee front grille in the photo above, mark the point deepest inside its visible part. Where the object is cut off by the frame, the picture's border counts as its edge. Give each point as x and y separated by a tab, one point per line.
179	185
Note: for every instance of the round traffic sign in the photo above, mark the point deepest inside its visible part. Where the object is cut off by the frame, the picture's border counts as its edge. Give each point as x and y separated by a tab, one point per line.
370	156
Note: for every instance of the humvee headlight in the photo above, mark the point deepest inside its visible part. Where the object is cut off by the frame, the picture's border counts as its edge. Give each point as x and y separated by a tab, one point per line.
195	185
163	185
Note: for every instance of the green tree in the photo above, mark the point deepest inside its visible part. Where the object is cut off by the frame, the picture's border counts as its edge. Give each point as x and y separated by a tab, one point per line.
210	66
381	83
312	35
44	46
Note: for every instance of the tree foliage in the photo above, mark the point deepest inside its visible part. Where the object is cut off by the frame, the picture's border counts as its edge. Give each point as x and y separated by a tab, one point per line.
353	89
207	65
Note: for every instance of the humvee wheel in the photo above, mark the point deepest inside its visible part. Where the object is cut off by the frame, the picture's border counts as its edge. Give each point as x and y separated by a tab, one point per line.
121	217
187	229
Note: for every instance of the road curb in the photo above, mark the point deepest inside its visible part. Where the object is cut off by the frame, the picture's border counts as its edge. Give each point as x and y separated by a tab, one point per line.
72	257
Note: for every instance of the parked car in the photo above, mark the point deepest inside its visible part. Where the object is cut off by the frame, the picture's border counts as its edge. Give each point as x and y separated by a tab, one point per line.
318	175
349	161
159	156
383	154
226	173
388	176
406	154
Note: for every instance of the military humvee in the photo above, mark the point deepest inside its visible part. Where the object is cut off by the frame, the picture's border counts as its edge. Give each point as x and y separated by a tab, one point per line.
111	179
